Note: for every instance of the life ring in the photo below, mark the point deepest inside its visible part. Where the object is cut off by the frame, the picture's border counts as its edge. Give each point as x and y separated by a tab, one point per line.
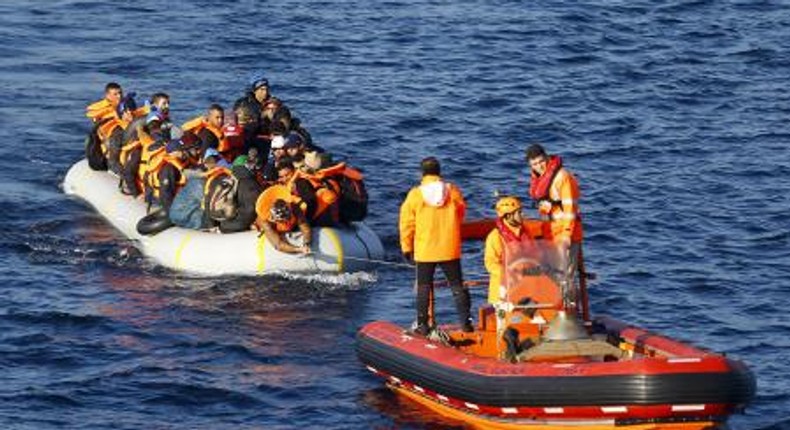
154	223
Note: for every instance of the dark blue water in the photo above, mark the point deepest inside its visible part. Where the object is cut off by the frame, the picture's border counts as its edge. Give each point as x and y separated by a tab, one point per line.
673	114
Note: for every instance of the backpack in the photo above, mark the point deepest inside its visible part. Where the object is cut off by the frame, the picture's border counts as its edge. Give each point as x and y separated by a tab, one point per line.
93	151
222	204
353	199
186	210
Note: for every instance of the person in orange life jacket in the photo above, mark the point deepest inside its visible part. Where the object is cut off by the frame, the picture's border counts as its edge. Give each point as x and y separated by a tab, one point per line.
166	175
284	217
208	127
114	141
100	113
430	235
105	108
510	230
316	212
556	192
320	200
147	136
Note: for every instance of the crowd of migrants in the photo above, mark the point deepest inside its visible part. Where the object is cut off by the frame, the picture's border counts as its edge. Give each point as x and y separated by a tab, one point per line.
256	167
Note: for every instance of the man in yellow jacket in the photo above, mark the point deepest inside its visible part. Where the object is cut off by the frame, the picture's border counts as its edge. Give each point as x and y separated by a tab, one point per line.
511	230
556	192
430	234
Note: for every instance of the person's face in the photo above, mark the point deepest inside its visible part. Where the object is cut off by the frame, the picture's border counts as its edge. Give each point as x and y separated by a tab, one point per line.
193	153
114	95
163	105
269	109
278	153
245	120
215	118
292	151
284	174
538	164
261	93
515	218
127	116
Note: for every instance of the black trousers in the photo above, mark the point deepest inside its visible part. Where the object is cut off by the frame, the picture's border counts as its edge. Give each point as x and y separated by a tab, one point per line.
425	276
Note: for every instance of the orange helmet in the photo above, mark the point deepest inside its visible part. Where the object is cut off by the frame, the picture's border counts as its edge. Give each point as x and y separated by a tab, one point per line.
506	205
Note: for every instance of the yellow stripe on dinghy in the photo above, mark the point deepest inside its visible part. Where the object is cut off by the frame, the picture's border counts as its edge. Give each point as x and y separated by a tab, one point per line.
261	248
180	250
335	239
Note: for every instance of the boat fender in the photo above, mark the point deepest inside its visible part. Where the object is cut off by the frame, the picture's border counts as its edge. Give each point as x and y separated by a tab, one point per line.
154	223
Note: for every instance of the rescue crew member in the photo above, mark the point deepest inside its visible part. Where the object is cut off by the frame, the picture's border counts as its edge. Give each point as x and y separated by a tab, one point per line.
556	193
510	229
430	235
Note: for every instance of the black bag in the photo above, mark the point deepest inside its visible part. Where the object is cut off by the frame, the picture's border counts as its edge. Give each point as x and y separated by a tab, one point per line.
93	152
353	199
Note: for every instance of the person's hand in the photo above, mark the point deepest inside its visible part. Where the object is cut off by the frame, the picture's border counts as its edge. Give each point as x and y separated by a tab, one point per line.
408	257
502	293
305	250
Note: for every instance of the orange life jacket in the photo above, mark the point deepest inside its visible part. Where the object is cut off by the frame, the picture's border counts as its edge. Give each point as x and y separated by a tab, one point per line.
105	130
327	190
159	159
195	125
100	110
265	202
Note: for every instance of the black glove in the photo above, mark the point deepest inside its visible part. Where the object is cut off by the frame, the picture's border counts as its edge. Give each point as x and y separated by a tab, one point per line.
408	257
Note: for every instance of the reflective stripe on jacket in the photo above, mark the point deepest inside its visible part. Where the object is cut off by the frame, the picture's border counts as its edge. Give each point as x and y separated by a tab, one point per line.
564	213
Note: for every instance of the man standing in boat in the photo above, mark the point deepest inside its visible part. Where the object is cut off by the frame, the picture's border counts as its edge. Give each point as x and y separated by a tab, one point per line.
430	235
556	193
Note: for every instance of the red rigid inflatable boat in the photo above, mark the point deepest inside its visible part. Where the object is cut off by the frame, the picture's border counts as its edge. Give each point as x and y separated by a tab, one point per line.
614	376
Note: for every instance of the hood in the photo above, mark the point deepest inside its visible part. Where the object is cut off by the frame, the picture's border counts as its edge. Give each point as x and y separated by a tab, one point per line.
435	193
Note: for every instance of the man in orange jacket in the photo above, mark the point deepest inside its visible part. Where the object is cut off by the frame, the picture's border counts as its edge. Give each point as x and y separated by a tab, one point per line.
556	192
430	235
